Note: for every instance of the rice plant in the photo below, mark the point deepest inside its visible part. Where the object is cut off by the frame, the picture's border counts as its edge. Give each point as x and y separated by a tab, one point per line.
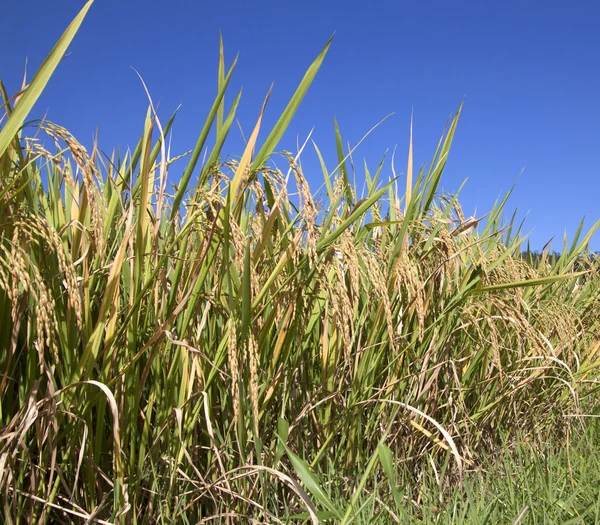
225	349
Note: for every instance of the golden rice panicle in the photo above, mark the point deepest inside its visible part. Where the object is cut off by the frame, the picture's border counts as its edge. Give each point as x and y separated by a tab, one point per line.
90	182
45	319
254	364
49	234
19	267
338	193
308	210
407	279
348	248
4	279
342	306
38	229
256	219
28	228
378	282
449	263
238	244
234	368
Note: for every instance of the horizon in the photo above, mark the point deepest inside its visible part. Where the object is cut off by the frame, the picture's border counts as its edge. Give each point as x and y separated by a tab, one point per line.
529	97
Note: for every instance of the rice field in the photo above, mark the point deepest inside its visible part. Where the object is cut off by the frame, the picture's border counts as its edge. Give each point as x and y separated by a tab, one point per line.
241	348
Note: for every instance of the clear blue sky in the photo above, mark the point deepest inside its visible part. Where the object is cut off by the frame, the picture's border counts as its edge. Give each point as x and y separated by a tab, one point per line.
528	69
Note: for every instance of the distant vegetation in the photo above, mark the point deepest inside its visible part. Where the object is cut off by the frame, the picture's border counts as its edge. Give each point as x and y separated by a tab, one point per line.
223	351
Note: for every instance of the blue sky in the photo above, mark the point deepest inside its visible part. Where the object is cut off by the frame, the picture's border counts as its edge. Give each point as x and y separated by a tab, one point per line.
528	71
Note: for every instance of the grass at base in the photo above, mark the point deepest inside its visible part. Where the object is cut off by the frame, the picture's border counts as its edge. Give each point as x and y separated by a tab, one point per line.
549	484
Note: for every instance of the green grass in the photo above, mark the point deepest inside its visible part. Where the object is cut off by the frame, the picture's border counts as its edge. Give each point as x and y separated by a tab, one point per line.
520	484
224	350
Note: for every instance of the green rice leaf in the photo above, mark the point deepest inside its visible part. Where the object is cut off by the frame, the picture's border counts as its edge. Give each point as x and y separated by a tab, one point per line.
39	81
